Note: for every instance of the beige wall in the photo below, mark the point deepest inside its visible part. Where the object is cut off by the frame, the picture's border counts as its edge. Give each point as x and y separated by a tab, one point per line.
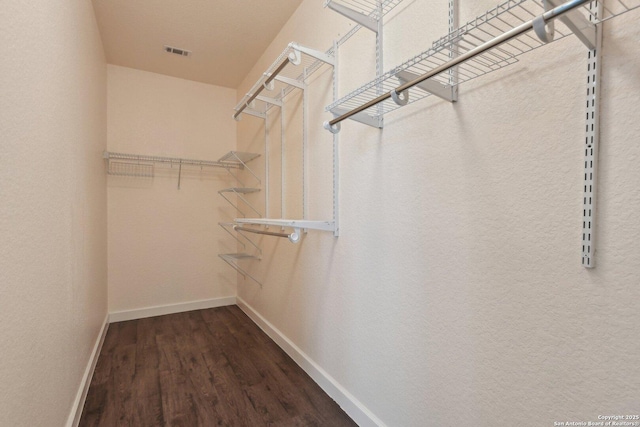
163	242
455	294
53	219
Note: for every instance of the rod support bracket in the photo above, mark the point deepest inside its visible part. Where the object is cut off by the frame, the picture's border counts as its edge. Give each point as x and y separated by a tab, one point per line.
544	31
331	128
268	86
295	57
401	98
295	236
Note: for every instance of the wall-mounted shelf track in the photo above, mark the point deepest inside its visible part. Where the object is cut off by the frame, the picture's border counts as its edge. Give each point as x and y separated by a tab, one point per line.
288	72
488	43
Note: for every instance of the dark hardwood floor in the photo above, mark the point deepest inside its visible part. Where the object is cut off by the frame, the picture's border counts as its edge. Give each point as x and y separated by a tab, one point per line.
210	367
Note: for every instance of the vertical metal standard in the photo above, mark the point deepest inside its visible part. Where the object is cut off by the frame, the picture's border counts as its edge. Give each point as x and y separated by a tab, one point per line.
453	26
282	160
336	152
379	61
266	167
305	179
591	143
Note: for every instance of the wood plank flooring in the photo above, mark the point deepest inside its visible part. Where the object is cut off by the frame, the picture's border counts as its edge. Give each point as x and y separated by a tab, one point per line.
210	367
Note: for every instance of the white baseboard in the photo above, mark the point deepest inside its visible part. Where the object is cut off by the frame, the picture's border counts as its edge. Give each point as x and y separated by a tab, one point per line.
81	396
141	313
352	406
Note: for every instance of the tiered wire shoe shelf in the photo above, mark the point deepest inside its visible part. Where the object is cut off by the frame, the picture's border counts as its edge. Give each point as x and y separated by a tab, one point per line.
240	160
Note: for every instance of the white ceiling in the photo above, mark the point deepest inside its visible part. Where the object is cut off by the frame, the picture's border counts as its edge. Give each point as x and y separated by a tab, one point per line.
226	37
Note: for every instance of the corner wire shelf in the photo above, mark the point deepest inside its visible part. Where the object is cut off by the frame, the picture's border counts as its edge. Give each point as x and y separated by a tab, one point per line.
233	259
240	159
492	24
288	72
239	191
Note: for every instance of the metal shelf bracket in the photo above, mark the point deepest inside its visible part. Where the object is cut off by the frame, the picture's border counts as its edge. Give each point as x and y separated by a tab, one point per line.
358	17
579	25
433	87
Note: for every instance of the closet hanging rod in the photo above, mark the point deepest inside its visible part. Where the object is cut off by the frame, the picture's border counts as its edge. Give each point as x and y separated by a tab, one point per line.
156	159
266	83
293	237
398	91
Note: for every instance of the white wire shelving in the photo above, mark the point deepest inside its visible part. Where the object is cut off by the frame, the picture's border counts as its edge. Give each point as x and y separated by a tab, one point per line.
368	14
374	9
287	73
233	259
291	223
241	159
493	41
139	165
141	159
239	192
493	24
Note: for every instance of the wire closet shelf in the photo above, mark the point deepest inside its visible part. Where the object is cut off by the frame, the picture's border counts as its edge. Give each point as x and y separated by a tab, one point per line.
371	8
140	158
287	73
473	36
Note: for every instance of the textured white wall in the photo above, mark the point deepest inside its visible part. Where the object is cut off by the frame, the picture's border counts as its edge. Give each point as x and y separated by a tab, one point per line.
53	219
163	242
455	294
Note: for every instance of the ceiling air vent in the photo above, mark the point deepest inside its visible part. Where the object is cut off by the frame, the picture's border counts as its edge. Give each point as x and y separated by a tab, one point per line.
175	50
